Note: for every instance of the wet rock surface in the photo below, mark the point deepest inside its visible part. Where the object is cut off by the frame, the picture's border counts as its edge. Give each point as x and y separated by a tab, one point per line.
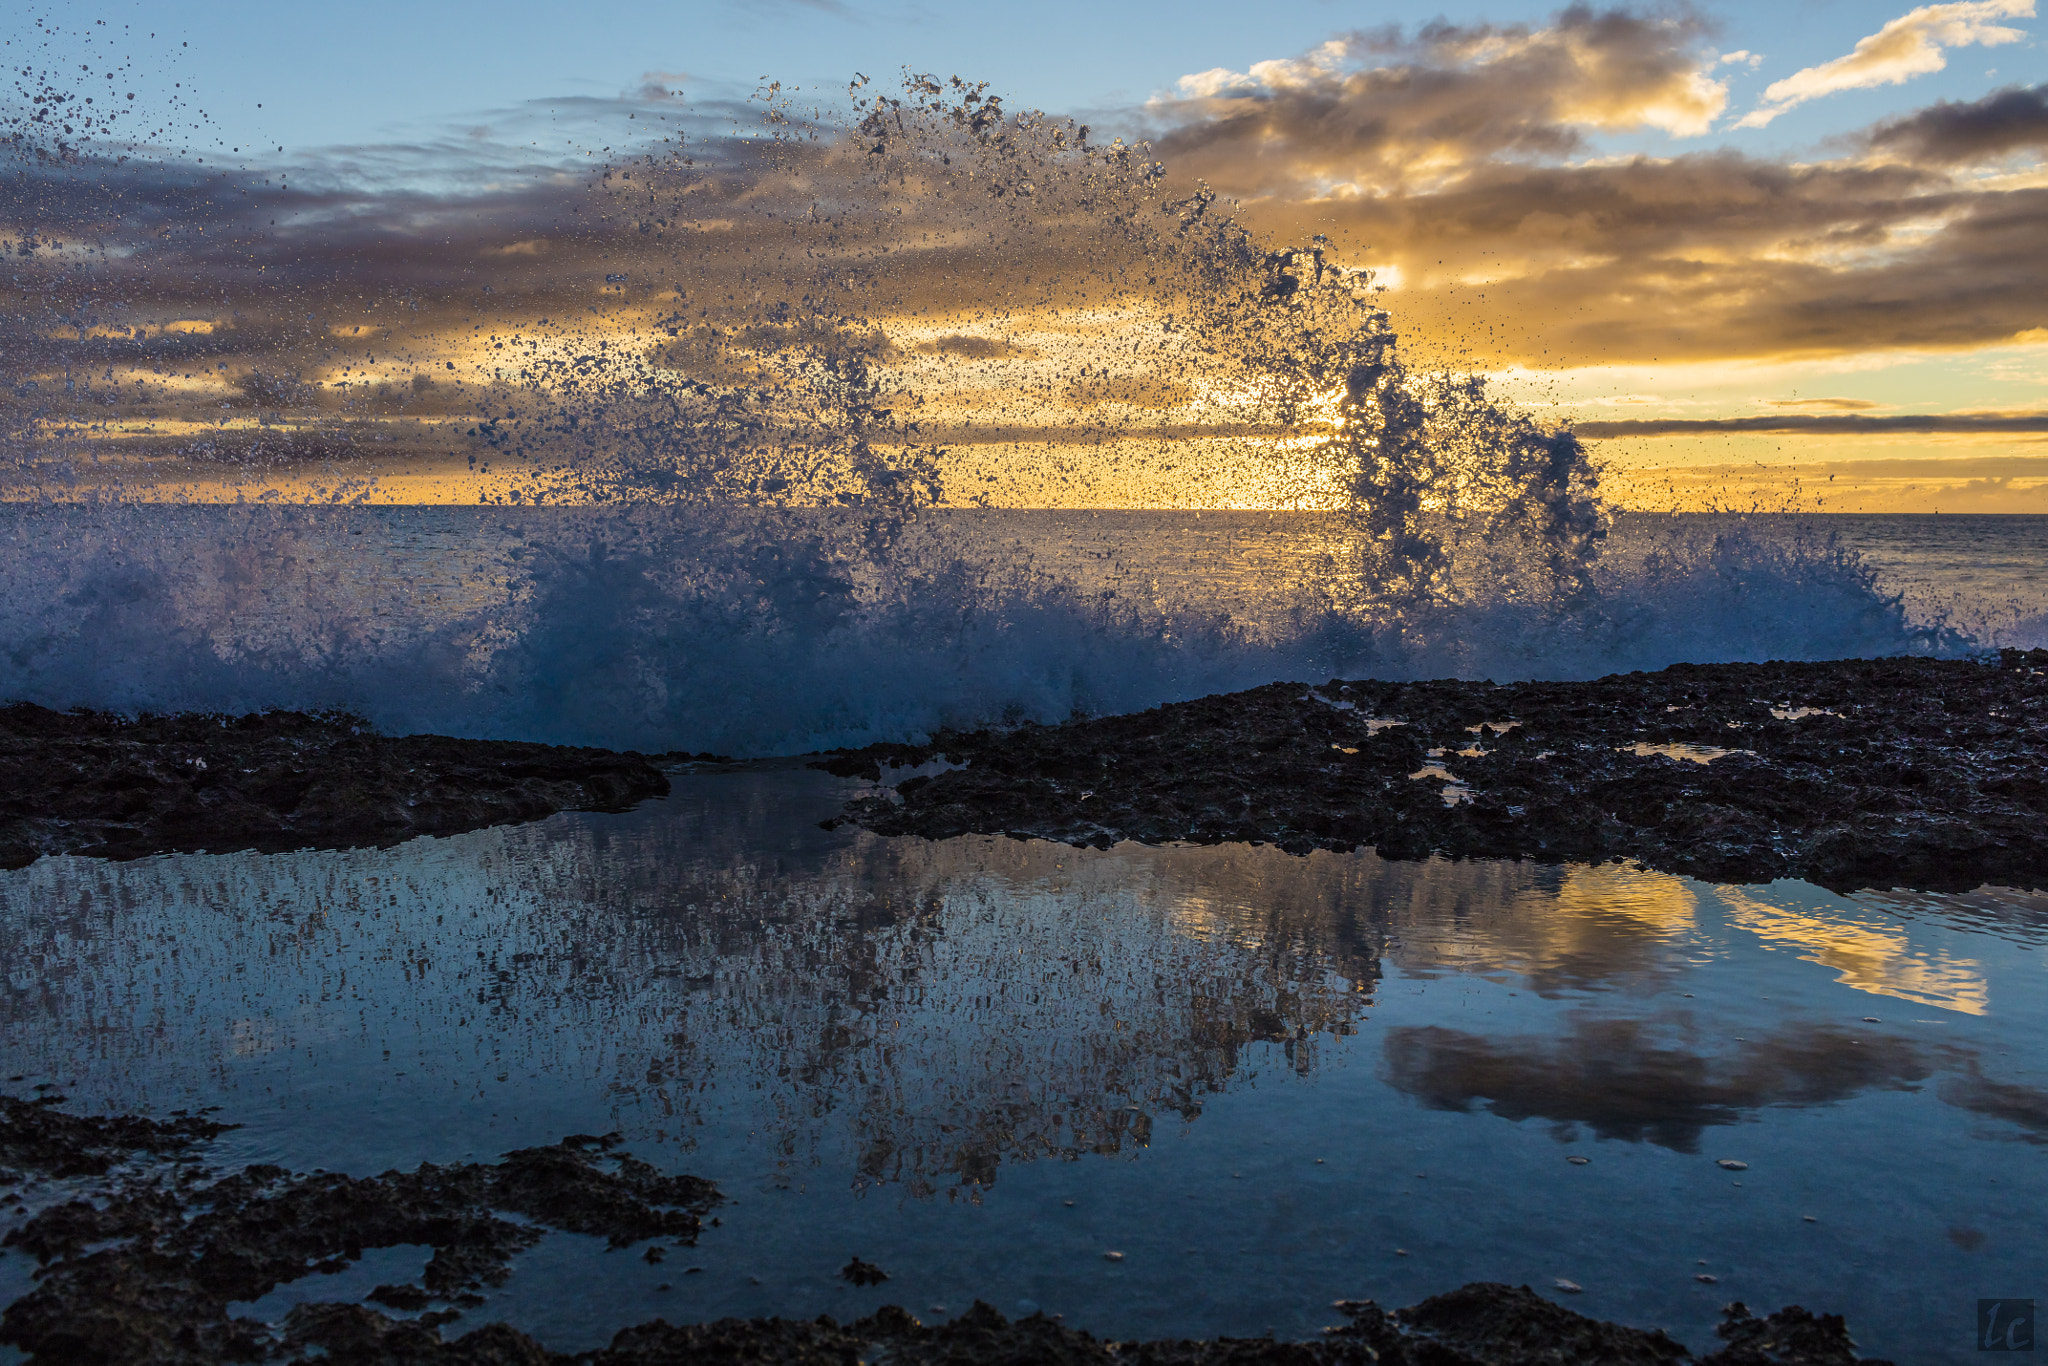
35	1136
1905	772
142	1264
93	783
142	1267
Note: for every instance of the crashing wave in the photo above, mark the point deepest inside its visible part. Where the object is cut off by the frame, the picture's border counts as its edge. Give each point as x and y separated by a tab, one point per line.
723	413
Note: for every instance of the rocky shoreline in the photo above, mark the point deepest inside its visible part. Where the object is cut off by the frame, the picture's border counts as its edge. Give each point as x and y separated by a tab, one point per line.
84	782
1917	773
142	1249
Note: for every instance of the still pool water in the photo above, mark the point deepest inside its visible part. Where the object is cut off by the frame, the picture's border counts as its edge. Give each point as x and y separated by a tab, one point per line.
1268	1082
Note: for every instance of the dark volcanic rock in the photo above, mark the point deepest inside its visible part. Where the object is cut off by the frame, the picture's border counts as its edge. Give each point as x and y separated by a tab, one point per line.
1480	1325
863	1273
1922	773
36	1136
91	783
145	1269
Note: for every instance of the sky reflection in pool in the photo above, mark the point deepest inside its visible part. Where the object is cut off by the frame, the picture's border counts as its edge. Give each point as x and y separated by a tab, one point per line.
1268	1081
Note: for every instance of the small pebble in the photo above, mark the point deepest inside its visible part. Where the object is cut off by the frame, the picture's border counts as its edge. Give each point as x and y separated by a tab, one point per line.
1569	1287
1112	1256
1808	1218
693	1271
1730	1164
1872	1019
1704	1279
1068	1203
1319	1162
1400	1252
1579	1161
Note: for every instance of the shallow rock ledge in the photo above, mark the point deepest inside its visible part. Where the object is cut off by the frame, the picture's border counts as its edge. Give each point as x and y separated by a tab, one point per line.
1918	773
91	783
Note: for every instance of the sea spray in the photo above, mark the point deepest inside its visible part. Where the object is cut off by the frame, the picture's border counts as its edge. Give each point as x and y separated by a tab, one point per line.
721	411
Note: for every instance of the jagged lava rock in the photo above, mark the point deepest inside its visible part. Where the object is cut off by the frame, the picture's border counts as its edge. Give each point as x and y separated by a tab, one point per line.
93	783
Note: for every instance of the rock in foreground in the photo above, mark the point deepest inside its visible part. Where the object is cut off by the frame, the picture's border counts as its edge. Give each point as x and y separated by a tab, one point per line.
1921	773
145	1267
91	783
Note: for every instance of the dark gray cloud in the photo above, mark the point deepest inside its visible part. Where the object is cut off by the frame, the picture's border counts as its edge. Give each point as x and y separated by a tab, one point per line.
1834	424
1709	256
1953	132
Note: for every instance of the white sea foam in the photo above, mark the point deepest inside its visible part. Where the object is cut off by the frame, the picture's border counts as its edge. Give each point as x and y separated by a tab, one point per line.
662	629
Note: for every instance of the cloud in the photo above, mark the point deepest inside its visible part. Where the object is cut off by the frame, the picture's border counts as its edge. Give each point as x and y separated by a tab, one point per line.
1455	159
1380	110
1839	405
1843	424
1454	151
1956	133
1911	45
972	348
1706	256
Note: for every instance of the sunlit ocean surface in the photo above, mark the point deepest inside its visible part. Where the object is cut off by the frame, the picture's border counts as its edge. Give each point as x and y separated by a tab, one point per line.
1269	1082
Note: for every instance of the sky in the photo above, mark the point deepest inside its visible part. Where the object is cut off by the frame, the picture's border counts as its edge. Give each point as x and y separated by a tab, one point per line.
1736	243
